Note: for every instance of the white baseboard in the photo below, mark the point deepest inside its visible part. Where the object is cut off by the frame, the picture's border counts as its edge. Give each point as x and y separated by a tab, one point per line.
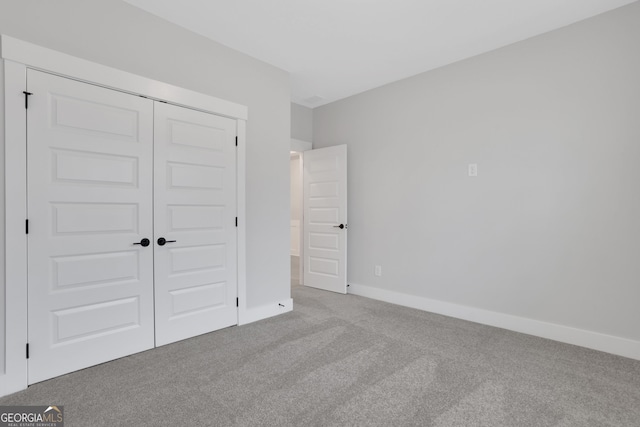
594	340
251	315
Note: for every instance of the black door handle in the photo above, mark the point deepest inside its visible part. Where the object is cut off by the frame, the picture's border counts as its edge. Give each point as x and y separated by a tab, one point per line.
162	241
143	243
341	226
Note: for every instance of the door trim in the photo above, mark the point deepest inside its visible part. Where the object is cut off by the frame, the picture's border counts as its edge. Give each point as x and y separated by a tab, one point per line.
64	65
18	56
15	375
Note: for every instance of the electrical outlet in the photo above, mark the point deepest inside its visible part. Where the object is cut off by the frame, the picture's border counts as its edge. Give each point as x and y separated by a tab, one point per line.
378	271
473	169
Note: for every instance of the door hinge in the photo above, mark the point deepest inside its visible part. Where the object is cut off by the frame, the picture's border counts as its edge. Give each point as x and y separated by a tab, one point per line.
236	221
27	350
236	141
26	226
26	99
237	302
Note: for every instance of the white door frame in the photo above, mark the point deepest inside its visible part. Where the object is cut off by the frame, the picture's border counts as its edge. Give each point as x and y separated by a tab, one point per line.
17	56
300	146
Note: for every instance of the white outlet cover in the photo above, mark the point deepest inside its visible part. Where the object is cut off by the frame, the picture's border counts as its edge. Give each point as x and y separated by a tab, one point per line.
473	169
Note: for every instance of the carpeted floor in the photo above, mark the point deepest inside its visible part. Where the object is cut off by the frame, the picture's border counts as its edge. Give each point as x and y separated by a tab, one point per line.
345	360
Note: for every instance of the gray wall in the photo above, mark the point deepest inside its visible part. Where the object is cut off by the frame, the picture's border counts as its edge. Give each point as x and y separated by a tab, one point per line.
550	229
119	35
301	122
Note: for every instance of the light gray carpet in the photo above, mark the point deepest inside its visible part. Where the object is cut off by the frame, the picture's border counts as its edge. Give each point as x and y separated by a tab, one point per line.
345	360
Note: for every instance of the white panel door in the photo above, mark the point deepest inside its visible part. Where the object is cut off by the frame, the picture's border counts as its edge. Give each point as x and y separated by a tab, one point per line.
195	212
90	286
325	218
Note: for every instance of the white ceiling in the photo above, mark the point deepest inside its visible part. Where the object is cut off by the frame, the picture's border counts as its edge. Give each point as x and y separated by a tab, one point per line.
337	48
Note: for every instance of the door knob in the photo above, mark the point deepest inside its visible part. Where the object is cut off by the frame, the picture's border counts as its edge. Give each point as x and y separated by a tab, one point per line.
143	242
341	226
162	241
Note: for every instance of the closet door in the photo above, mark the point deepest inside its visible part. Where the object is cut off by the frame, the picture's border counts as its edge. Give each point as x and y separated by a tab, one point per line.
90	282
195	230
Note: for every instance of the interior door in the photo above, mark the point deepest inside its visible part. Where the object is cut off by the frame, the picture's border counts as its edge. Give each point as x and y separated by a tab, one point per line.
90	281
325	218
195	223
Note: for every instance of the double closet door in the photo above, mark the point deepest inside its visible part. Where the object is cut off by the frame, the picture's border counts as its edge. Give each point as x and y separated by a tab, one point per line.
131	224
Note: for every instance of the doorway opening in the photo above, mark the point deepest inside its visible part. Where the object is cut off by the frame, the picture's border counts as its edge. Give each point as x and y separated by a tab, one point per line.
296	217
